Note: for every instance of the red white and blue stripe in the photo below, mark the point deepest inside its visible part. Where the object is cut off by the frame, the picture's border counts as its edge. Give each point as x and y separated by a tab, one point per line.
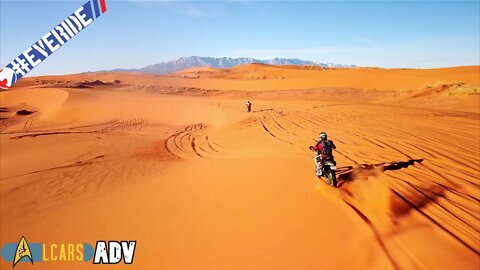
99	7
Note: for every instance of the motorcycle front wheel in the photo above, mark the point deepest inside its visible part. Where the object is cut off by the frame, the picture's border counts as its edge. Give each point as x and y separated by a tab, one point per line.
331	178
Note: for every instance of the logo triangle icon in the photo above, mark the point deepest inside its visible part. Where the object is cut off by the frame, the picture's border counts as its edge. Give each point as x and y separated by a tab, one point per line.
22	251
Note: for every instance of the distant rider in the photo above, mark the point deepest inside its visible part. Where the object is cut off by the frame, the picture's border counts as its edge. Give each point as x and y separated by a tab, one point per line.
324	152
249	106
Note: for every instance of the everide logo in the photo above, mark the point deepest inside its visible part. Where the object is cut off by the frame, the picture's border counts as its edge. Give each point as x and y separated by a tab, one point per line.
105	252
50	42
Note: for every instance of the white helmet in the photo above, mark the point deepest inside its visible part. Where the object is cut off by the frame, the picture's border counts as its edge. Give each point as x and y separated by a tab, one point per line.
322	136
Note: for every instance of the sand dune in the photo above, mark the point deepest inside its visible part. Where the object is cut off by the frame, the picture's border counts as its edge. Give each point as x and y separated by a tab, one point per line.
176	163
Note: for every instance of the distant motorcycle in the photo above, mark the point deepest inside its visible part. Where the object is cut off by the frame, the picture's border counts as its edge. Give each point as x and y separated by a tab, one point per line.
328	170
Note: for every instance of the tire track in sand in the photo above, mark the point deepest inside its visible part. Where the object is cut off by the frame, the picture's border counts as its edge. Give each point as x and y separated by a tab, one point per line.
192	141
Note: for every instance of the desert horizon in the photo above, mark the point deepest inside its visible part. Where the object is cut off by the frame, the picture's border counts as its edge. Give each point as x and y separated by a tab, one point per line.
176	162
200	67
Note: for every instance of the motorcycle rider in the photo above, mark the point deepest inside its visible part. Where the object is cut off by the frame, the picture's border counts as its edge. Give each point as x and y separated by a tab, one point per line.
324	151
249	106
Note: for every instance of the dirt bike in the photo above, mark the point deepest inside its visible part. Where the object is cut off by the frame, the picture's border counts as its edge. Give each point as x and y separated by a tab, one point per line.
328	170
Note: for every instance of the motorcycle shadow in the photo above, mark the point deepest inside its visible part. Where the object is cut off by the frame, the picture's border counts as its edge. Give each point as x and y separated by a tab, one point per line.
363	171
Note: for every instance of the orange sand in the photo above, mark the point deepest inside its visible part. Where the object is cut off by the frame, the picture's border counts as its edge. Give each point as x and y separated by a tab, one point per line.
174	162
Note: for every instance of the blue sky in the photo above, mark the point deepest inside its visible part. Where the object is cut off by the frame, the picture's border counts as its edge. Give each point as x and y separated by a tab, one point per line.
137	33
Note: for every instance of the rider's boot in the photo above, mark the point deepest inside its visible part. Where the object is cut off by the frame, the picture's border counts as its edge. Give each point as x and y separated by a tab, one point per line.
319	169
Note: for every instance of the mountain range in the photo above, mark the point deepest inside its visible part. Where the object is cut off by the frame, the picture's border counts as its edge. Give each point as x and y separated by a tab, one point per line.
220	62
